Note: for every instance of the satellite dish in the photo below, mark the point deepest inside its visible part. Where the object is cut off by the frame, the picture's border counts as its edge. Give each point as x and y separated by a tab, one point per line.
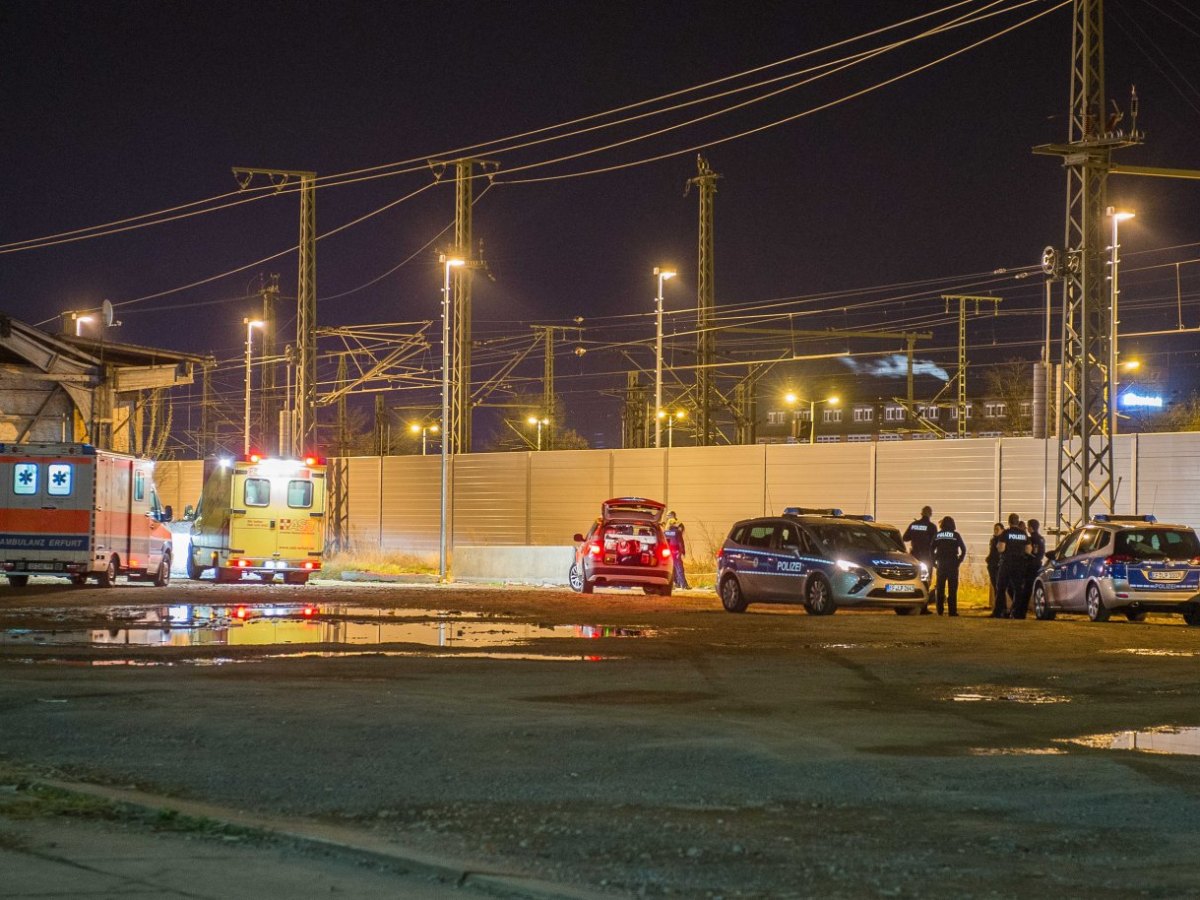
106	313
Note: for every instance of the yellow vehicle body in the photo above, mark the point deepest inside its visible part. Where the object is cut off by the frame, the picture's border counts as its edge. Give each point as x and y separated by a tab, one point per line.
263	517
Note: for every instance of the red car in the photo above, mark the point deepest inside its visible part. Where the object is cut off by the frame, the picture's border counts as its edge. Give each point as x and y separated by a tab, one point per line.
625	547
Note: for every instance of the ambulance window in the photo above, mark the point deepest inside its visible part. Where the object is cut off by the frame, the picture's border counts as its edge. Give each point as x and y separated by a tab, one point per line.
25	478
299	494
258	492
139	485
58	479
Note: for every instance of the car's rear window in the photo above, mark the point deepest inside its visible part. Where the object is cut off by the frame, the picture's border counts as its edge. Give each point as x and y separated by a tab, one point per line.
853	537
1158	543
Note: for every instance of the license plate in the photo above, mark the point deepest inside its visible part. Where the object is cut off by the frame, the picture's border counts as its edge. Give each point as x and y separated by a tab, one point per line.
40	566
899	589
1166	576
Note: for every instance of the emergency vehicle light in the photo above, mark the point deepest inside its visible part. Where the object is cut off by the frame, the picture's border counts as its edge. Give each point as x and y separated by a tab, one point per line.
1108	517
810	511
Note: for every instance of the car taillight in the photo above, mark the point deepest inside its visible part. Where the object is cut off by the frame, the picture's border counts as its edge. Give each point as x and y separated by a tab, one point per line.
594	549
665	551
1117	558
309	564
241	612
240	563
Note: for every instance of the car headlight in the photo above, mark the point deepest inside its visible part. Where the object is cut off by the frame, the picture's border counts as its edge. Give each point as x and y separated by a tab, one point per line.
846	566
924	572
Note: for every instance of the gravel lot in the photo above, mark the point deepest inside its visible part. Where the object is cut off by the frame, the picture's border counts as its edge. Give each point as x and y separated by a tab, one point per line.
685	751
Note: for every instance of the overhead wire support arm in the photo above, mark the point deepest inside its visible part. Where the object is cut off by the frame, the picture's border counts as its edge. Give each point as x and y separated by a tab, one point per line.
961	375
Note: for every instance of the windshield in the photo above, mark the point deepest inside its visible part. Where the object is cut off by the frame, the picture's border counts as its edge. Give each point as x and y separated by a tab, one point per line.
854	537
1158	543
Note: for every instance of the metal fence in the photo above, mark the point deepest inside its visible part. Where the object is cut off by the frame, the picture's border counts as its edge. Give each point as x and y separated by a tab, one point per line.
543	498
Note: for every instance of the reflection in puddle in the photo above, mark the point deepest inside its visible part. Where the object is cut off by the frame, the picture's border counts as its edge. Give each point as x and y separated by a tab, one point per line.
991	693
1148	651
1168	739
259	625
304	654
1017	751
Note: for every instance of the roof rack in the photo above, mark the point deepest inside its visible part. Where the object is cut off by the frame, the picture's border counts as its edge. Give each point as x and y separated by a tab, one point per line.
1115	518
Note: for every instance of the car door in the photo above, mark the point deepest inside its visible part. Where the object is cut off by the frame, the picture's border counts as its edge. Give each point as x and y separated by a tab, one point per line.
787	579
757	561
1054	582
1076	566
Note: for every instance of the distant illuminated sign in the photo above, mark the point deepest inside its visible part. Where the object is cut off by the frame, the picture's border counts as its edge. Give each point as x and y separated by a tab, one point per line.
1141	401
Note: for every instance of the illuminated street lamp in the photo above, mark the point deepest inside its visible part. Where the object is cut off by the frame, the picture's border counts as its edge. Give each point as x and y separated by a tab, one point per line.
791	400
250	324
662	275
421	429
448	263
539	422
1117	218
79	320
671	418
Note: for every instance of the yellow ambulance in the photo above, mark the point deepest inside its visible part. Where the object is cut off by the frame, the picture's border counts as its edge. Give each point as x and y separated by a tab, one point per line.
263	517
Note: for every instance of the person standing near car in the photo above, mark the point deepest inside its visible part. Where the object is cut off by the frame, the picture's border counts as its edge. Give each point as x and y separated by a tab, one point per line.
919	536
1010	575
993	563
674	534
1037	552
949	551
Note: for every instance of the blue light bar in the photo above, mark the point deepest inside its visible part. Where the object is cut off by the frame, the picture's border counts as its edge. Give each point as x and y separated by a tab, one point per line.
1115	518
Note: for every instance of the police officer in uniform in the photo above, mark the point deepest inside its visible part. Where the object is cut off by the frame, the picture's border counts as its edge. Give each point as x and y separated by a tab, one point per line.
919	536
1010	575
1037	552
674	535
948	553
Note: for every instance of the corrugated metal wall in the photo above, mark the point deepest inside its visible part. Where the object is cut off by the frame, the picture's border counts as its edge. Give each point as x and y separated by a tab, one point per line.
544	498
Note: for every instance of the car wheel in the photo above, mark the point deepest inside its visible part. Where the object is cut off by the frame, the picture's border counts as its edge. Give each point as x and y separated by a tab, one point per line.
818	597
1191	615
18	581
1096	609
194	571
108	578
79	580
1134	616
907	610
1041	603
163	576
732	597
575	579
658	590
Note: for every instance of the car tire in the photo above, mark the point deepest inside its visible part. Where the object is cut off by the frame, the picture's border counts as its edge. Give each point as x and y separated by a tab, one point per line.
818	597
108	578
658	590
1135	616
1096	610
18	581
194	571
907	610
1041	604
163	576
575	578
1191	615
732	597
79	580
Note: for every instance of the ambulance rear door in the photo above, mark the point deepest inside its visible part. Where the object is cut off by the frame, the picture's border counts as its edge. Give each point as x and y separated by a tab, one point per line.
45	508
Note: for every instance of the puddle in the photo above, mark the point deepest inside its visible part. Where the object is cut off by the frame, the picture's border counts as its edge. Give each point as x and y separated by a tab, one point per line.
267	624
992	694
303	654
1017	751
1167	739
875	645
1149	651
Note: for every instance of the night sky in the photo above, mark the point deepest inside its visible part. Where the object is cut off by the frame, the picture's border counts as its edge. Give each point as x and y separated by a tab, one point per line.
114	110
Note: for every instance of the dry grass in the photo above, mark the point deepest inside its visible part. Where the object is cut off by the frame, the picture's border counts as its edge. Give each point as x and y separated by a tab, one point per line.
379	562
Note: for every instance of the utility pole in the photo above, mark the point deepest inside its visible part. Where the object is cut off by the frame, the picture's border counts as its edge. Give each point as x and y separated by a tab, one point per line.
380	426
208	440
304	423
633	418
961	376
706	335
343	431
458	430
269	382
746	407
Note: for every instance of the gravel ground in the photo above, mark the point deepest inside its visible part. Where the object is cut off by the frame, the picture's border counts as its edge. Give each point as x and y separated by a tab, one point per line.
698	754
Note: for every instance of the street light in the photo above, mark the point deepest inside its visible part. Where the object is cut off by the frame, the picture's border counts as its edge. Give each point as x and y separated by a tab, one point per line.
534	420
791	400
448	263
671	418
79	320
1117	218
250	324
422	429
662	275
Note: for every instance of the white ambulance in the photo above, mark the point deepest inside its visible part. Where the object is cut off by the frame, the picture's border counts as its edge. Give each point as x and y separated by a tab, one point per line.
74	511
259	516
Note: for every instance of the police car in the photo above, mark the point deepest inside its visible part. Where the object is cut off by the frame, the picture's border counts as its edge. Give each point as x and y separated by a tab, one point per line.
1127	564
821	558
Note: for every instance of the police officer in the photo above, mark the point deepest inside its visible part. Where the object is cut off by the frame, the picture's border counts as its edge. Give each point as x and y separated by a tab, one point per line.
1010	575
1037	552
674	535
919	536
948	553
993	562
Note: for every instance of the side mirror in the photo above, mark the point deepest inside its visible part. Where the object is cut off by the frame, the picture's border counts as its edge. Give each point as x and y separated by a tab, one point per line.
578	538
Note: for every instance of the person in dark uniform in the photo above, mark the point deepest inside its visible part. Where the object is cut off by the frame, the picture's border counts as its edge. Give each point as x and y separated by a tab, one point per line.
948	553
1010	575
919	536
674	535
1037	552
993	563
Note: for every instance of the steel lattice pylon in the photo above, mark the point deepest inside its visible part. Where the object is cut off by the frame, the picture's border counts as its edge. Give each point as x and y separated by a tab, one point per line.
706	335
1085	453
